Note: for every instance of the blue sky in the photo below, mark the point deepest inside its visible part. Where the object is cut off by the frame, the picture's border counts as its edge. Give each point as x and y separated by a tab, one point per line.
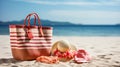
74	11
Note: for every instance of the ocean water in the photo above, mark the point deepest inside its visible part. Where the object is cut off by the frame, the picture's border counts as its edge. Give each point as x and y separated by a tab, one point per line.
87	30
78	30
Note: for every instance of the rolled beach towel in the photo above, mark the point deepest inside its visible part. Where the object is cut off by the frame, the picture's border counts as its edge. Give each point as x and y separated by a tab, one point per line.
48	59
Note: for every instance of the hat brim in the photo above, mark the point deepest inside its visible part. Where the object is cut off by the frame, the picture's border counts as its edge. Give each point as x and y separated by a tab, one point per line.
73	47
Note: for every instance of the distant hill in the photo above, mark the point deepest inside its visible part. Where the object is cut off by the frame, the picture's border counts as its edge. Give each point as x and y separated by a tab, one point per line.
43	22
51	23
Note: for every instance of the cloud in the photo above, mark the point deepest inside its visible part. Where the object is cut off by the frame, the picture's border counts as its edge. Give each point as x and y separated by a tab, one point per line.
90	16
85	17
76	3
86	13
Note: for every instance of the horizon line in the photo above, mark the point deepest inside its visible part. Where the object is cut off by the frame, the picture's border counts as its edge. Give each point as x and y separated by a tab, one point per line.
61	22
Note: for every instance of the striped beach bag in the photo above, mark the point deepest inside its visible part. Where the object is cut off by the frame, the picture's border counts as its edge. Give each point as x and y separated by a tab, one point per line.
30	41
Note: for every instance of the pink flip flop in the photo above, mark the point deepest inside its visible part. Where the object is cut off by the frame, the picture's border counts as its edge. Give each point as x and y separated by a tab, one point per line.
82	56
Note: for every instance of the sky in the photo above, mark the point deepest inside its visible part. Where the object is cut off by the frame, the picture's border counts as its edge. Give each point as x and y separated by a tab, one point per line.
74	11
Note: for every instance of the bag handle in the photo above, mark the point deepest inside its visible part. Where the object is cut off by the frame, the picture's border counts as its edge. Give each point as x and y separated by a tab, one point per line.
28	18
39	24
29	21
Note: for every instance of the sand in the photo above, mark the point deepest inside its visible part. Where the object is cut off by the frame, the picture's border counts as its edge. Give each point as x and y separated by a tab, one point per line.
105	52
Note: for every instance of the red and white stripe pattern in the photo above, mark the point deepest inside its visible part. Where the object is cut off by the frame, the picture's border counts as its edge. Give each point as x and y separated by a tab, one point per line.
19	38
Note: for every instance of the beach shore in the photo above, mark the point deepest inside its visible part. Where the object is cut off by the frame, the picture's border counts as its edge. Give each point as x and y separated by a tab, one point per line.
105	52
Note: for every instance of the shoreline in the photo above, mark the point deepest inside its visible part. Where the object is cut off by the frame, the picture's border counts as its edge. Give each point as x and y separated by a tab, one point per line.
77	35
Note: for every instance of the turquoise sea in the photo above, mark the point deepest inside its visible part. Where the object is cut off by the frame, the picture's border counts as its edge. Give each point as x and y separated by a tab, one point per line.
77	30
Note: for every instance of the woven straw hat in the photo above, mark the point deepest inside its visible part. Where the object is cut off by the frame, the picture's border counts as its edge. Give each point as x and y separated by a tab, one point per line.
63	46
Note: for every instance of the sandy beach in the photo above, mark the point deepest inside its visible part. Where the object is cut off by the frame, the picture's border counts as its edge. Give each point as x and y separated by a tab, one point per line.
105	52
